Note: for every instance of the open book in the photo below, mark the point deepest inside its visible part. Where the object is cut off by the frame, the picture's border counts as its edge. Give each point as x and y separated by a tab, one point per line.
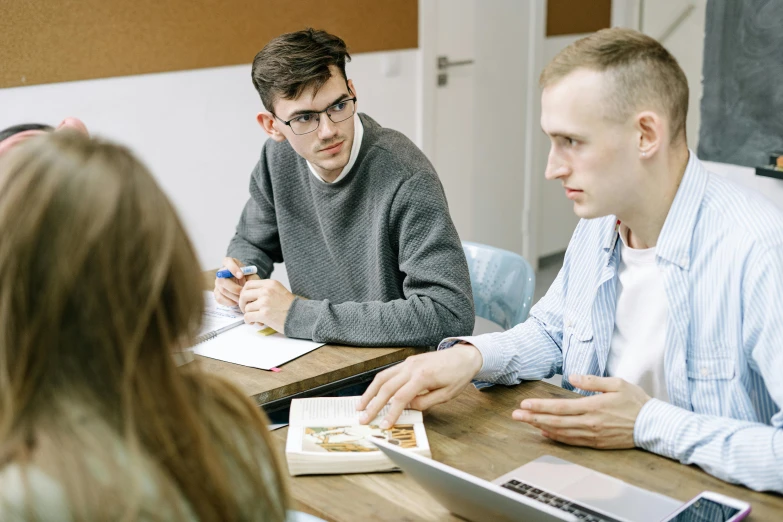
325	437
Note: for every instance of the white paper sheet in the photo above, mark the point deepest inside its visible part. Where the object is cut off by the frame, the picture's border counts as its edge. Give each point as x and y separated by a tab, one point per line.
246	346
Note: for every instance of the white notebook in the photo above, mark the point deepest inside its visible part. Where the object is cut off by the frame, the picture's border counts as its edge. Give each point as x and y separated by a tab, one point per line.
226	337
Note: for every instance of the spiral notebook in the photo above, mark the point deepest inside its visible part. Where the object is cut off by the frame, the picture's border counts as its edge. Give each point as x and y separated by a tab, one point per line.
217	318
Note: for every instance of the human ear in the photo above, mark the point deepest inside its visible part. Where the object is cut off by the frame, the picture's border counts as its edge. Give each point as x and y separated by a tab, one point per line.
268	122
651	131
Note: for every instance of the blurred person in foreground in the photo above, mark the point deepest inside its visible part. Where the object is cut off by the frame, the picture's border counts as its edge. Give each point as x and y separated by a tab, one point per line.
99	286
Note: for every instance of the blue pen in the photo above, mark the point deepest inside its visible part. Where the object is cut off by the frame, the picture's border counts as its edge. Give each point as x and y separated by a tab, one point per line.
247	270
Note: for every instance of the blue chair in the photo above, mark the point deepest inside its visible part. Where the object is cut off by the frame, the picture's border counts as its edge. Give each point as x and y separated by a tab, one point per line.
503	284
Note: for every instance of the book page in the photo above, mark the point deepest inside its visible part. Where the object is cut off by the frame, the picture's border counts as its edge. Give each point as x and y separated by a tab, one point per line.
357	438
328	410
325	427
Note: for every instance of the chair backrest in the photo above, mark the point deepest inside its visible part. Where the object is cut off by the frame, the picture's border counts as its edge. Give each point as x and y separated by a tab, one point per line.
503	284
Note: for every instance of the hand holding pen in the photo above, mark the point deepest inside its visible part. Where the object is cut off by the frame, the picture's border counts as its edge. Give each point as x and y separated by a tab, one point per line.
230	280
245	270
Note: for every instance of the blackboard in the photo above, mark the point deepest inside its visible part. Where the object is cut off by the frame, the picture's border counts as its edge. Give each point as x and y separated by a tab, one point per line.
742	102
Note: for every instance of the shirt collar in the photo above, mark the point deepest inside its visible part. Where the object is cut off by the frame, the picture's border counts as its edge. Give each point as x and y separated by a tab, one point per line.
358	133
612	237
674	242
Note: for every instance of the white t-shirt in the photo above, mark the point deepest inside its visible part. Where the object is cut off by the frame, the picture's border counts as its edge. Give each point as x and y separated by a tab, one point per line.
639	338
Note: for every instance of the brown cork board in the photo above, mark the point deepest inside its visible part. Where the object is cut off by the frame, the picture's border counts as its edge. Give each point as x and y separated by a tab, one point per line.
48	41
577	16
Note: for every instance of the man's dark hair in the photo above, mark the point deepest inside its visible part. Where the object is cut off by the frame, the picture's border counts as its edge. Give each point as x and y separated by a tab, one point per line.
293	62
22	127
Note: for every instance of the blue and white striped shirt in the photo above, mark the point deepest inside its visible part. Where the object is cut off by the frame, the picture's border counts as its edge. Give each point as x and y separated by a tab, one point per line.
720	253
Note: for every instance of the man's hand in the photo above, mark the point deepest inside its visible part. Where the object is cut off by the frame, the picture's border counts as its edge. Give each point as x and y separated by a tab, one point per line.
603	421
421	381
266	301
227	290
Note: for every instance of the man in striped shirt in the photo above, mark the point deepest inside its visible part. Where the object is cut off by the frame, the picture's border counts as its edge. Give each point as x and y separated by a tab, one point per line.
667	312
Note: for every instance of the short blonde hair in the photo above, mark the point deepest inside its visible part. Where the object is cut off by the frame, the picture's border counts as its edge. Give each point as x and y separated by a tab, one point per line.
644	74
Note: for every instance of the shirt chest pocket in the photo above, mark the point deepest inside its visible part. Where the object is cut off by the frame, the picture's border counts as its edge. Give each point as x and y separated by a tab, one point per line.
577	342
710	379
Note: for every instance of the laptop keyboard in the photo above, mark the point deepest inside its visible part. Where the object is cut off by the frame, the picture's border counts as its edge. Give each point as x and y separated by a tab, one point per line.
580	512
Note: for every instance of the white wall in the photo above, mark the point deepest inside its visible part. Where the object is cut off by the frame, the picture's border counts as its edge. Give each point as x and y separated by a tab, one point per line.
770	188
686	43
196	130
556	218
499	117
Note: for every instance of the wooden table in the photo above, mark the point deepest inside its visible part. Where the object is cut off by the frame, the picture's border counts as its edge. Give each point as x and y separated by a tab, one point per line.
313	374
475	433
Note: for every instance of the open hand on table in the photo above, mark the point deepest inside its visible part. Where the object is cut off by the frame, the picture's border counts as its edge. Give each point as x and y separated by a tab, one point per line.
603	421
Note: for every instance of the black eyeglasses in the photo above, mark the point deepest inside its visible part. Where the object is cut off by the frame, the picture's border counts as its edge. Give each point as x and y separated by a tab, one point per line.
309	121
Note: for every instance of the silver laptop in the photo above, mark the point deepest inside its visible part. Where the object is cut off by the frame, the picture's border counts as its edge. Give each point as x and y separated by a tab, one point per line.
543	490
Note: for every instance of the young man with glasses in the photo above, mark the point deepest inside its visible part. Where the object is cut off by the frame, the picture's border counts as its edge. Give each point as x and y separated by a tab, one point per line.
356	212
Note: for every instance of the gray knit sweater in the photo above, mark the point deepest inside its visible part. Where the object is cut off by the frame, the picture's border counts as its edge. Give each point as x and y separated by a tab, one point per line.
375	254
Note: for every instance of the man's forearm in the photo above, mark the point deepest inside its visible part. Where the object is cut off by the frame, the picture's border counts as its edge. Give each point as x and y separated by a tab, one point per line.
415	321
250	254
733	450
526	352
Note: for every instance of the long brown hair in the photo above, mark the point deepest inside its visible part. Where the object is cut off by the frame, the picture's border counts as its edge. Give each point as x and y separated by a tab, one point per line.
99	285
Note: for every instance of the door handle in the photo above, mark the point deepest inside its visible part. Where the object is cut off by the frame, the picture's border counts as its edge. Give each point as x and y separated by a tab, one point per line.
444	63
